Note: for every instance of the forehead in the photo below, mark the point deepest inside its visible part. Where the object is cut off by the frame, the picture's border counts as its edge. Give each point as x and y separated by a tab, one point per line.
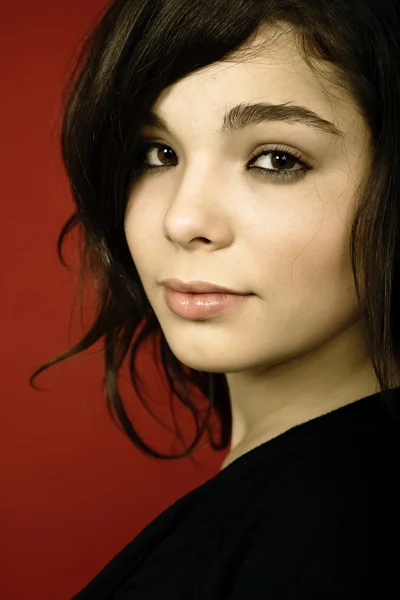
269	69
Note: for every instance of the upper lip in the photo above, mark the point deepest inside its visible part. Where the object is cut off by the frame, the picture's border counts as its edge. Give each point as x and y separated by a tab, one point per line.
199	287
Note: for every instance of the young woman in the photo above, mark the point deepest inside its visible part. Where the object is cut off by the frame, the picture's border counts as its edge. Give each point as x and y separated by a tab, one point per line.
251	145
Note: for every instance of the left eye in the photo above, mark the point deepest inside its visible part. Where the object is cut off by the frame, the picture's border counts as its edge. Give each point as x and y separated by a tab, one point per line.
279	160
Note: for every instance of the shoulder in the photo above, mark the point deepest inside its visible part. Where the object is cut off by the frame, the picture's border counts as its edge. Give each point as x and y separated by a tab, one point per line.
350	475
330	524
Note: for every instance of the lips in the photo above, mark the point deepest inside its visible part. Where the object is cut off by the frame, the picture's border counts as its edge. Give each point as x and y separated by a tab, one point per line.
198	287
204	306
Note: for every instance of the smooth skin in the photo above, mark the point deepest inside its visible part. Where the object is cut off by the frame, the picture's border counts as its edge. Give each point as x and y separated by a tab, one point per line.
295	349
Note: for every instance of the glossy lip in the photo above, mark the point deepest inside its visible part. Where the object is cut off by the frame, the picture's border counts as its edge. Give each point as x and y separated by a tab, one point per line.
198	287
202	307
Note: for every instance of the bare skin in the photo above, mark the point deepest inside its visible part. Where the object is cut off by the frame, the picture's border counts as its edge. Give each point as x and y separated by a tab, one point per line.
295	349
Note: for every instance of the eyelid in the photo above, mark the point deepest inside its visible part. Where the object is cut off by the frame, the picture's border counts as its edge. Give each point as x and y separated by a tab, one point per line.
145	142
273	175
148	142
276	147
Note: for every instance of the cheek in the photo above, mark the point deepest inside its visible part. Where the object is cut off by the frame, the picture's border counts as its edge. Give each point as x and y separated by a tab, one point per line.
314	262
140	238
313	280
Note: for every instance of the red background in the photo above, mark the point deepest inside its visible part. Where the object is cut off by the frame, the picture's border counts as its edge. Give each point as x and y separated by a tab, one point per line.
74	490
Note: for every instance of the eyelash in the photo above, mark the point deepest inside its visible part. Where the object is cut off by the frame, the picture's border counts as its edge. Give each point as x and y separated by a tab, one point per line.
271	174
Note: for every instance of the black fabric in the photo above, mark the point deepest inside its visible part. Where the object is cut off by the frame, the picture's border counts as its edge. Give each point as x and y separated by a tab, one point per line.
311	514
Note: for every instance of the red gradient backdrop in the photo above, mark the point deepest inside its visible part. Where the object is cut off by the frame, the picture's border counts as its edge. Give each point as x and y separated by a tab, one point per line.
74	490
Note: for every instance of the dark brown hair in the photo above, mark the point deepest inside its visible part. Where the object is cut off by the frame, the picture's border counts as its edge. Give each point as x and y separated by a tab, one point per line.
136	50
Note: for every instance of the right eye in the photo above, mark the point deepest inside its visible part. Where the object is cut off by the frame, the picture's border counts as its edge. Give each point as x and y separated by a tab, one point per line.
154	152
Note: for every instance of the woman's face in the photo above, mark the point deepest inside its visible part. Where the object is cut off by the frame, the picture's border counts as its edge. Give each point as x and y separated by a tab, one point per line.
280	231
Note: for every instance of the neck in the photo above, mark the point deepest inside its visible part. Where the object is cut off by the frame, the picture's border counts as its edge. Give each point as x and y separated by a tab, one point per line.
267	402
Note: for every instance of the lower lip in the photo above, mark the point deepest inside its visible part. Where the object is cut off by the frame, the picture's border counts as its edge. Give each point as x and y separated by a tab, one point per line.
201	306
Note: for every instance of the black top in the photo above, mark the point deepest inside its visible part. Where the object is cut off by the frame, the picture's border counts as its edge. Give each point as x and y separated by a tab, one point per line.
312	514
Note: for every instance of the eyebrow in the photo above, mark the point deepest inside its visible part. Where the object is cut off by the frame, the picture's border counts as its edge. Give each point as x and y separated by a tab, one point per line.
246	115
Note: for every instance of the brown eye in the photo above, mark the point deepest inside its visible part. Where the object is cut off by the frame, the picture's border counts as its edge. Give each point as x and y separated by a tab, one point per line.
278	164
282	160
278	160
157	153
